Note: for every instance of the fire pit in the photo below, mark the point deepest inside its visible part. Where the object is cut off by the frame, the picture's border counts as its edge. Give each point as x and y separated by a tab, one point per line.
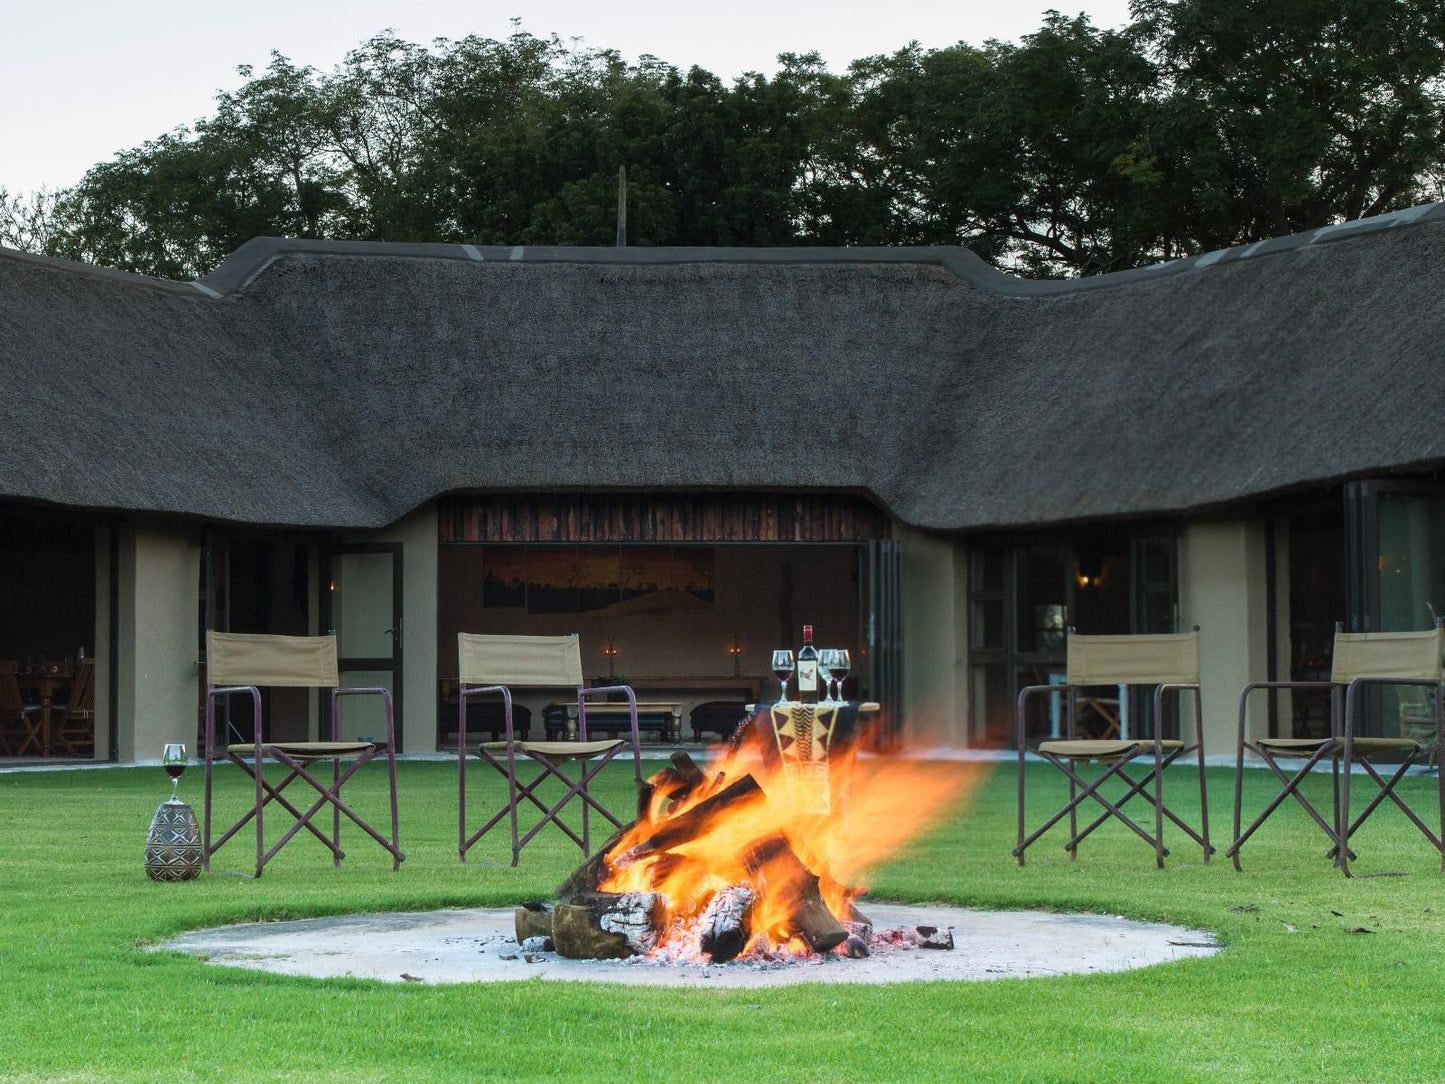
757	857
478	945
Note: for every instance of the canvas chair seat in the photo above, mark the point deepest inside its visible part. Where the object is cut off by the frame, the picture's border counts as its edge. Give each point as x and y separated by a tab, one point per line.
306	750
1163	662
1361	660
491	666
561	750
1364	747
239	663
1103	750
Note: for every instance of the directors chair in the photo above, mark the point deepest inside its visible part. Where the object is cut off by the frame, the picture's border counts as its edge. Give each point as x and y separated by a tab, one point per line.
245	663
494	665
1165	662
1361	659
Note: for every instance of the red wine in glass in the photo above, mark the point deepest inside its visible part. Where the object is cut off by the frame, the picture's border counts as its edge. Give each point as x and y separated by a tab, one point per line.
173	760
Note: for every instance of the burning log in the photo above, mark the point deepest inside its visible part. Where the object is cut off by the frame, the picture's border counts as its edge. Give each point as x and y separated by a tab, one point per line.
727	923
606	926
773	862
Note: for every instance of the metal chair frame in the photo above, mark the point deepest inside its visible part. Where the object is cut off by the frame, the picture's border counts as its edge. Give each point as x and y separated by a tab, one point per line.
1340	749
295	756
1121	752
549	756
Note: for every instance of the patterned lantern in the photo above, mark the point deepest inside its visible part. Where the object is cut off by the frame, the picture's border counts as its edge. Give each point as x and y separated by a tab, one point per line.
173	845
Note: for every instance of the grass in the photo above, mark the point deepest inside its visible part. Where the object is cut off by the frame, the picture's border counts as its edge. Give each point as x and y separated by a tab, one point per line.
1294	997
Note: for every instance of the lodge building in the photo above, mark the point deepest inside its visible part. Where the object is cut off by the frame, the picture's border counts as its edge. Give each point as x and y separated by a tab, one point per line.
684	455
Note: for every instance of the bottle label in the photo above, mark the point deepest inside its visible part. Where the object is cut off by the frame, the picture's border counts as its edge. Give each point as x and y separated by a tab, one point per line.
807	676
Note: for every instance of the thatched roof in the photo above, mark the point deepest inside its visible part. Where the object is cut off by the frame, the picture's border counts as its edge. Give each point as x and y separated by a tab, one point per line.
344	384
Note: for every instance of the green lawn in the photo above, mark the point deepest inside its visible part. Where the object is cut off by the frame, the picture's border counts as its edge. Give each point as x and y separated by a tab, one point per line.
1294	997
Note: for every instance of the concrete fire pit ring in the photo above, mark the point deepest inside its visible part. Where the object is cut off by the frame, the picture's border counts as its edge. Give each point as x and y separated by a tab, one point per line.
477	945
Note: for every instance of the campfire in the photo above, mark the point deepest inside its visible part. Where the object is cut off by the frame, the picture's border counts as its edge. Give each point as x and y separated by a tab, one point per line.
758	856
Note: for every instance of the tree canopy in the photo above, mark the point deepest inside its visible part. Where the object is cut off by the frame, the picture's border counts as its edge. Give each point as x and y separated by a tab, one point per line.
1074	151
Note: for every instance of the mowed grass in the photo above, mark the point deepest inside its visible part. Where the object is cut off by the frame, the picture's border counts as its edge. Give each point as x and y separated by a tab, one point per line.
1295	996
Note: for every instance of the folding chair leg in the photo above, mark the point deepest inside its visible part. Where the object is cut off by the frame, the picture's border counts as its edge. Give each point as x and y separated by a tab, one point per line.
1291	788
1203	788
1090	790
1136	788
1074	821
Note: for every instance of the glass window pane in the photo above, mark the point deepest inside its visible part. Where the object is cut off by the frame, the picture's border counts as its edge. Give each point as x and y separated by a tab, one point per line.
361	600
992	706
987	633
363	718
1412	560
1042	614
989	568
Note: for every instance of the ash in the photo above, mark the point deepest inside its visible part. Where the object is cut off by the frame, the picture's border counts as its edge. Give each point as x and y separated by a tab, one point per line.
680	949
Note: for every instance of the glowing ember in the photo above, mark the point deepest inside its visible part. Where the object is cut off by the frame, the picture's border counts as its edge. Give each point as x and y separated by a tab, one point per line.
762	853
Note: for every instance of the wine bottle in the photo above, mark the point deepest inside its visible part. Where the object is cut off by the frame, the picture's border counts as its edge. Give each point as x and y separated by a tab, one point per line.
808	668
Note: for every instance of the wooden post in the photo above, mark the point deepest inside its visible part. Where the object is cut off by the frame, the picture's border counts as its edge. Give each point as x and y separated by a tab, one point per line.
621	206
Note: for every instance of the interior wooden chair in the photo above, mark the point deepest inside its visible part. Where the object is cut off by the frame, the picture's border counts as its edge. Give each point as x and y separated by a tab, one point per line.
1361	660
1166	663
20	723
243	663
492	666
76	732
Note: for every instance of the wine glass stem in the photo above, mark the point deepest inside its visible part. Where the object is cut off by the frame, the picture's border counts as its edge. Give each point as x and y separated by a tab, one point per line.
175	783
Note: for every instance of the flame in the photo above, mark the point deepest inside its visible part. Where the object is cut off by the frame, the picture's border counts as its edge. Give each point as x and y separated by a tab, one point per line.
791	833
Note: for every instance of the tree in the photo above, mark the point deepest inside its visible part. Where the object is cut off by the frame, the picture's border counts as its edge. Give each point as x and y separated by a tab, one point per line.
1301	112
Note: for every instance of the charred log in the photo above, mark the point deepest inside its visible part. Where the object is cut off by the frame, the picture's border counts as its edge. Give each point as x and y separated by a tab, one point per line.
691	823
533	919
688	771
605	926
855	947
727	923
930	937
590	874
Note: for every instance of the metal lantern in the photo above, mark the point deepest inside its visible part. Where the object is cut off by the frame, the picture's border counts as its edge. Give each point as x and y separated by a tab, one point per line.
173	845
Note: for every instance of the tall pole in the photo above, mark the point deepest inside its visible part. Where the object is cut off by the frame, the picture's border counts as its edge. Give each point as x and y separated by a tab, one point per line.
621	206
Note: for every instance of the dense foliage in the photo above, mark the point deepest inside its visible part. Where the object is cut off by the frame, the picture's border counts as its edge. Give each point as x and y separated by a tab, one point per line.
1074	151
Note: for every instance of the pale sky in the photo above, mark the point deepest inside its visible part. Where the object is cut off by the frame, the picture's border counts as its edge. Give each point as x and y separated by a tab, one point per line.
83	79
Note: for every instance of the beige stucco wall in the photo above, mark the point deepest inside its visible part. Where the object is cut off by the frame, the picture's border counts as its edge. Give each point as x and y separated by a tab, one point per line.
160	566
935	657
1222	590
417	534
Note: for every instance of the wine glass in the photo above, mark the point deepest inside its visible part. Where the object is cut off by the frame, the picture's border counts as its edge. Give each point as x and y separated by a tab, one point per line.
827	656
173	760
783	665
837	661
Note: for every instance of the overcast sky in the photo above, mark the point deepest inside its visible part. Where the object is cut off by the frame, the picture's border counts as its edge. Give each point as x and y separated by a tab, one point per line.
83	79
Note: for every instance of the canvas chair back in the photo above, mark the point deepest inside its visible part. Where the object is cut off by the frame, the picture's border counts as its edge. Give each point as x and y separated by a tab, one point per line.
234	658
519	660
1171	658
1400	656
82	690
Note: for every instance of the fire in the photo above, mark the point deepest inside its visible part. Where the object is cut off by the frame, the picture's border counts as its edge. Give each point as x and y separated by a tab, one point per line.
797	833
